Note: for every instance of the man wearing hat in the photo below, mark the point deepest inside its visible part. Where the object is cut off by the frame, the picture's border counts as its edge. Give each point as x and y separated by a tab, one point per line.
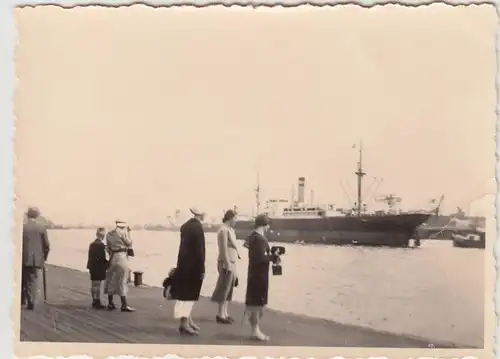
35	250
190	271
119	246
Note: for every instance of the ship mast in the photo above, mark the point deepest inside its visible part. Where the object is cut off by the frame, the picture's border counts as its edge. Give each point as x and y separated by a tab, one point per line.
360	175
257	193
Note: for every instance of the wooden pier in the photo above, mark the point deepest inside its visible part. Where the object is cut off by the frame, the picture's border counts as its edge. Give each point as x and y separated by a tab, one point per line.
68	317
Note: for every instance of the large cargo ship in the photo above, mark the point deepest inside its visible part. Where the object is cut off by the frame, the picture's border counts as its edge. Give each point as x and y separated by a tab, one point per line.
297	222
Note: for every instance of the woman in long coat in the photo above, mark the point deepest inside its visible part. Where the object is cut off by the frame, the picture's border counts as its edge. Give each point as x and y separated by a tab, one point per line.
119	244
190	272
259	257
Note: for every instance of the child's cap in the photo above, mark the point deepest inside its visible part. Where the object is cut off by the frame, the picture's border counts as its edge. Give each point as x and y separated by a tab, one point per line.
100	230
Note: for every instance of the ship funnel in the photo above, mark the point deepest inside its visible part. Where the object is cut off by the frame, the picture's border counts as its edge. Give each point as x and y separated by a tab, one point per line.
301	189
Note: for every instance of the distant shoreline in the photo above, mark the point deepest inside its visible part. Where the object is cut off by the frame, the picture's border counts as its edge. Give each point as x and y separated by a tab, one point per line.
60	228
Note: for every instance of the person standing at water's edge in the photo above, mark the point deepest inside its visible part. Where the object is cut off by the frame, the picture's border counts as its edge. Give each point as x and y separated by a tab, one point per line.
119	246
35	250
259	256
226	266
190	272
97	264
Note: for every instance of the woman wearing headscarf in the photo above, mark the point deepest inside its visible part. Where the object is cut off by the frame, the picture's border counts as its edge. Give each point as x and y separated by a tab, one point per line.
119	246
226	266
259	257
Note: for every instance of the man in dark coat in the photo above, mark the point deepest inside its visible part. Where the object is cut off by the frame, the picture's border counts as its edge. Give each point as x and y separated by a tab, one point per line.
97	264
36	249
190	271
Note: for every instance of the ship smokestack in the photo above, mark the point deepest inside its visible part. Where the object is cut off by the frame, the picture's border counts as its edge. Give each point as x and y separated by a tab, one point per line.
301	189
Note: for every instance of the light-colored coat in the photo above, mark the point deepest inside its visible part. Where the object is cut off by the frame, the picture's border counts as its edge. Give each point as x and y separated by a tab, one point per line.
226	242
118	271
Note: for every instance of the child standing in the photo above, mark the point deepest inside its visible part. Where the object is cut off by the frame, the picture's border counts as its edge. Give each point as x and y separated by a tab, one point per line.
97	265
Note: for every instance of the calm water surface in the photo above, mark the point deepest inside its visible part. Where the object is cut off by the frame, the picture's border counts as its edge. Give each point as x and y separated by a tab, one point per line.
435	291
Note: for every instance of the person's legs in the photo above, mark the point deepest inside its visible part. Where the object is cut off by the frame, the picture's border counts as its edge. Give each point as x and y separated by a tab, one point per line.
96	294
24	284
255	314
182	311
100	290
222	294
221	312
92	292
111	303
109	285
219	294
189	309
31	286
122	273
229	297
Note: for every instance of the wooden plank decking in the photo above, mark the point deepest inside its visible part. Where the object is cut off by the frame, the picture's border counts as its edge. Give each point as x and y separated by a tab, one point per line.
67	317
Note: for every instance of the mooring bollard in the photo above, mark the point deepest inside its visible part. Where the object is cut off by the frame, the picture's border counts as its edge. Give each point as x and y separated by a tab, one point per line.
138	278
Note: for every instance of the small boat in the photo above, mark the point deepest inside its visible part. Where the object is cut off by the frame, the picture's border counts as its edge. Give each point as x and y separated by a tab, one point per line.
473	239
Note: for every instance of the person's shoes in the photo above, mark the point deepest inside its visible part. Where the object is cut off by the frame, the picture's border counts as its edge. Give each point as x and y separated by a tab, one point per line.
96	304
187	331
260	337
194	327
30	306
127	309
111	306
221	320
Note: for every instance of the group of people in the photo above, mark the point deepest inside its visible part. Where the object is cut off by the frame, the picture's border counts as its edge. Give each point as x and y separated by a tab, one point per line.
187	278
108	265
113	272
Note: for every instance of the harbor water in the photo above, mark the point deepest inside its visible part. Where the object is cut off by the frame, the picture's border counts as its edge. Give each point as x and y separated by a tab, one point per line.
435	291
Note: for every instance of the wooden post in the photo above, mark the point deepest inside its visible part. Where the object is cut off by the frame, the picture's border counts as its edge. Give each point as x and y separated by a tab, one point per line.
138	278
44	280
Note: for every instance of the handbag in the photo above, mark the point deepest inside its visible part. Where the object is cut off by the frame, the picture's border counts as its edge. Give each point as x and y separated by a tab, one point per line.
130	252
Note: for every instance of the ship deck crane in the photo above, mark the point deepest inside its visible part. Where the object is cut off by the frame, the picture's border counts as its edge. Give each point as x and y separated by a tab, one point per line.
438	206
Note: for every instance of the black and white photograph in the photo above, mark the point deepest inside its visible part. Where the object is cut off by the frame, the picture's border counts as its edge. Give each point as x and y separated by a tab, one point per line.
231	181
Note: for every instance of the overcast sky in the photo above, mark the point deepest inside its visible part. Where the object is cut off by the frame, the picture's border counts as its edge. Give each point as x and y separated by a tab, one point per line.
134	112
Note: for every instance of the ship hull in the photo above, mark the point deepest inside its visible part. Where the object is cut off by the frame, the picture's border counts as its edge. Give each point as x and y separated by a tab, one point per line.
383	230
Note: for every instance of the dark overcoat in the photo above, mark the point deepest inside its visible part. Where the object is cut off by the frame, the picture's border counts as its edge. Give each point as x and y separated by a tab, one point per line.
36	244
188	276
97	264
258	270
